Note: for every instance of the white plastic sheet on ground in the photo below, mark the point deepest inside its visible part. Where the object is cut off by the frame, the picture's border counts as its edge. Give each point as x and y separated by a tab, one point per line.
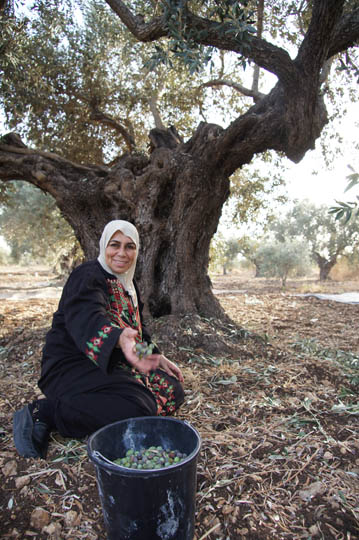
345	298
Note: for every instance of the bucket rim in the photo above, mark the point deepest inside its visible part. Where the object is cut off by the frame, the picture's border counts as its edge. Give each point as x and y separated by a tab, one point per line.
126	471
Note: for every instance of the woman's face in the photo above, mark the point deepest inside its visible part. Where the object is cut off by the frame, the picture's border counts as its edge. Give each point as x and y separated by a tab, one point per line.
120	253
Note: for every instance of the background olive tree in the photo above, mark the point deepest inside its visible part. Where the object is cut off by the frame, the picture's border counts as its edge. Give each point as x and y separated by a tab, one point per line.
327	237
223	253
282	259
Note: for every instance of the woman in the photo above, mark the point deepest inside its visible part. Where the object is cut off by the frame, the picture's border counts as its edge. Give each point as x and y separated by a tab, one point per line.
90	374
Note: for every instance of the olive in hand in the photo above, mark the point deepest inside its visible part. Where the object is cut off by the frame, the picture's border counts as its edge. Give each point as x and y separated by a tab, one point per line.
144	349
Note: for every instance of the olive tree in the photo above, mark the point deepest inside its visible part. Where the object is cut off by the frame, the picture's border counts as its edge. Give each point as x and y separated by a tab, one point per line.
174	189
282	259
326	237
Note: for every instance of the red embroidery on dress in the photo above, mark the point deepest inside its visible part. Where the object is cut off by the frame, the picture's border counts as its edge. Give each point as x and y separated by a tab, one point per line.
123	314
164	394
121	309
95	343
106	329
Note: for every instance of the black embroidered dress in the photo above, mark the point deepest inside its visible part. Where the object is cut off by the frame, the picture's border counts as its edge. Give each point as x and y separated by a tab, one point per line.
84	374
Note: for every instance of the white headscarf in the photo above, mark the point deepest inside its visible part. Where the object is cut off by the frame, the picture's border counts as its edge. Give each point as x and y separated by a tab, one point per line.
126	279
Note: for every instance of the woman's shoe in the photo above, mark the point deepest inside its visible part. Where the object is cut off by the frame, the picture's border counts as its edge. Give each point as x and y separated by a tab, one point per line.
31	436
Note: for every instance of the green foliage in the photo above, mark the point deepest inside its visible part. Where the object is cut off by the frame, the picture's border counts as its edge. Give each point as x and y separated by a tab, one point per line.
223	253
64	69
256	190
32	226
347	361
347	210
232	19
248	247
271	259
6	191
81	82
282	259
11	31
4	256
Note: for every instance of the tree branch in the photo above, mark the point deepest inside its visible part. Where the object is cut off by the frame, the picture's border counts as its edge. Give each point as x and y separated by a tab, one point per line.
156	113
150	31
18	162
236	86
329	33
315	46
103	118
260	13
346	33
266	55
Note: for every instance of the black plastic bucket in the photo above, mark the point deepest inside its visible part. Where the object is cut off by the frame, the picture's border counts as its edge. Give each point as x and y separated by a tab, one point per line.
146	504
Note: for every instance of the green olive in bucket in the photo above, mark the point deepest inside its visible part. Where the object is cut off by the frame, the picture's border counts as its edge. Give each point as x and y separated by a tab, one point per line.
154	457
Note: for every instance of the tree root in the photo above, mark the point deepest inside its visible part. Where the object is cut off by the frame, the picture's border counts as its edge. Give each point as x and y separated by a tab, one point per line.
214	337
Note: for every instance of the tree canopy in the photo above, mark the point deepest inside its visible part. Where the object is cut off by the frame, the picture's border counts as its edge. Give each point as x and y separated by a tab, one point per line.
223	253
33	228
282	259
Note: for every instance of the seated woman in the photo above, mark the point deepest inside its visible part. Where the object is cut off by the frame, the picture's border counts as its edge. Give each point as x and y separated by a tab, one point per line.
90	373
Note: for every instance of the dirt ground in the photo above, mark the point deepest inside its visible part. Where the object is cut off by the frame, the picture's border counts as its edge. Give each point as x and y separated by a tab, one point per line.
278	417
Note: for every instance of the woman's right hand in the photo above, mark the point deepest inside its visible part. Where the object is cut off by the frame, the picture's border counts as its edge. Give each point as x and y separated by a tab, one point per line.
127	343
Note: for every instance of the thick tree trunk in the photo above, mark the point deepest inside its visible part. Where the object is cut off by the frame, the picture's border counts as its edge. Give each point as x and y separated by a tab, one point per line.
177	216
171	196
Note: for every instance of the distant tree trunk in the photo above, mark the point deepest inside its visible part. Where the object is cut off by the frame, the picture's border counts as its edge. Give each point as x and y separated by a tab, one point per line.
257	268
67	260
325	265
284	280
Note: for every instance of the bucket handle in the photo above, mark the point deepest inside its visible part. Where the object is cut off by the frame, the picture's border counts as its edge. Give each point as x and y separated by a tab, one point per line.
98	455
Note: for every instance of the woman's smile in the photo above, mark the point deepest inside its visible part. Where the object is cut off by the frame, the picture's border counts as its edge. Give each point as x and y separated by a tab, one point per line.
120	253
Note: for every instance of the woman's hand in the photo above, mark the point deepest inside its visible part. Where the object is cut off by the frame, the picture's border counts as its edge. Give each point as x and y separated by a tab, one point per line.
127	343
169	367
147	363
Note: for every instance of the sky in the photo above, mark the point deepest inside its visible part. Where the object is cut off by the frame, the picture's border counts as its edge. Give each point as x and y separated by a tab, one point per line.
313	179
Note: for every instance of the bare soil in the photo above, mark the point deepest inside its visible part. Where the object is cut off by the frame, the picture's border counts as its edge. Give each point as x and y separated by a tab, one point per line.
276	406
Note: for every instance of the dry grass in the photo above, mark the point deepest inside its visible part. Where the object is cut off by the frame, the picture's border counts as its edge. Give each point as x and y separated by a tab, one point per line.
278	419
